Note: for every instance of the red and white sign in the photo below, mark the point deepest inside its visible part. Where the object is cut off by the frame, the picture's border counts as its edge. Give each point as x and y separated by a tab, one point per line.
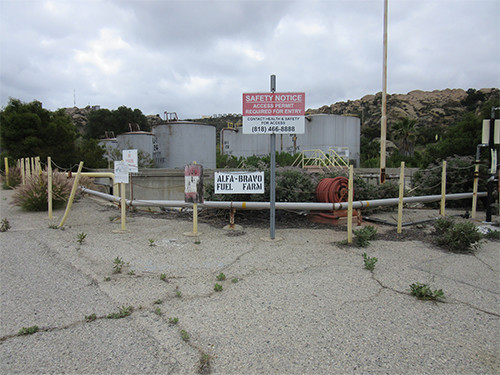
280	113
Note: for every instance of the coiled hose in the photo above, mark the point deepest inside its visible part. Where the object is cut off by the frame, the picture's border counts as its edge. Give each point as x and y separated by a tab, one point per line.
332	190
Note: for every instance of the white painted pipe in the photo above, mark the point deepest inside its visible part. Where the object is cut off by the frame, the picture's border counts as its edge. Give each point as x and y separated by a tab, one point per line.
309	206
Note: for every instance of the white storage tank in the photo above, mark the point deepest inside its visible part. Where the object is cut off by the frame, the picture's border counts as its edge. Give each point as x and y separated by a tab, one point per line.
179	143
322	131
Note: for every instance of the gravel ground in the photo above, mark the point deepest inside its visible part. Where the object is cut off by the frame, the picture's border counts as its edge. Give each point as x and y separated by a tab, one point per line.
303	304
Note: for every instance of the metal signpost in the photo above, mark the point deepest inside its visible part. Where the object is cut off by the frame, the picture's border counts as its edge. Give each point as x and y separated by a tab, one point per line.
274	113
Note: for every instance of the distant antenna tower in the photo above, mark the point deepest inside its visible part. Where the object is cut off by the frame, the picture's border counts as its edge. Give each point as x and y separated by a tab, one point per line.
74	98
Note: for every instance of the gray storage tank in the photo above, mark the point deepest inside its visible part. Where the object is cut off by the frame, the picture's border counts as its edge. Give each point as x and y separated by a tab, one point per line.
179	143
140	141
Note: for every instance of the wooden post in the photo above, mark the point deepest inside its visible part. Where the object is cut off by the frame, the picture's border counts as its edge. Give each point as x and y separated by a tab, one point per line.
49	185
23	172
72	195
443	190
123	207
6	161
349	204
401	193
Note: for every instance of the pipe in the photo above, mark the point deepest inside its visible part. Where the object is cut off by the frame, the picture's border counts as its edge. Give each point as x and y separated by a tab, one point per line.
103	175
310	206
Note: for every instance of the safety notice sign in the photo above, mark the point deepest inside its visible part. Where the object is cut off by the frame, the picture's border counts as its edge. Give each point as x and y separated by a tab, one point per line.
278	113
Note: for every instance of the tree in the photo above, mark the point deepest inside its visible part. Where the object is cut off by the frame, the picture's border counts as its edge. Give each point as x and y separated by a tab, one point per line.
29	130
404	133
117	121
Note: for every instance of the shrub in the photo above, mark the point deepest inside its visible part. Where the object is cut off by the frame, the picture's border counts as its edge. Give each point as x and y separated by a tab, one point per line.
14	178
456	236
364	235
33	195
459	179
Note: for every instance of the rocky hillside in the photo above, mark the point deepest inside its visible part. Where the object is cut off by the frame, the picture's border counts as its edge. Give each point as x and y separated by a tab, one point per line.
431	108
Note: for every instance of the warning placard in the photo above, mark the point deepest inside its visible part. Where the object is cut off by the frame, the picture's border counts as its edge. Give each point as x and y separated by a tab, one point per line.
279	113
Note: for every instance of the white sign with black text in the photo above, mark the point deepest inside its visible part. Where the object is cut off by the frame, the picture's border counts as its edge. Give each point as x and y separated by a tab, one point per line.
239	182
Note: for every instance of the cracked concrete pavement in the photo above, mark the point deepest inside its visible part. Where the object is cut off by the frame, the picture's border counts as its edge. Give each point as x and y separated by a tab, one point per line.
300	305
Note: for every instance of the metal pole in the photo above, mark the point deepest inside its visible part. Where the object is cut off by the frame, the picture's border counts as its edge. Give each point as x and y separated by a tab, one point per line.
491	179
272	183
383	120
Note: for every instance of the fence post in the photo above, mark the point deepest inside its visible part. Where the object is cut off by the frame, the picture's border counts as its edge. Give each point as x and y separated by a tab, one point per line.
443	190
401	193
23	175
6	160
349	204
49	185
72	195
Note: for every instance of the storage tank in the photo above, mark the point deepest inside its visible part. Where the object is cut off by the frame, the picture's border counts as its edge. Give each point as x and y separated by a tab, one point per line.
179	143
322	131
140	141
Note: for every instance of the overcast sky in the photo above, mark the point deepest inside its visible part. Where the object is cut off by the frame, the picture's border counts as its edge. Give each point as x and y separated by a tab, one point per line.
198	57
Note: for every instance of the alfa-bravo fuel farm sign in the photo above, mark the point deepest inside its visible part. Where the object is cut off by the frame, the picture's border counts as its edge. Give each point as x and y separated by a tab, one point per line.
279	113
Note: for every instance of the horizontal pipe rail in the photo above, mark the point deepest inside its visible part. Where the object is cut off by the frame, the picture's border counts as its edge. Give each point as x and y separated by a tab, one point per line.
310	206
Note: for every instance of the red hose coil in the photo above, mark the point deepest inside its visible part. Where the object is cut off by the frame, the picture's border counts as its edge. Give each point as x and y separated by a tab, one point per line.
332	190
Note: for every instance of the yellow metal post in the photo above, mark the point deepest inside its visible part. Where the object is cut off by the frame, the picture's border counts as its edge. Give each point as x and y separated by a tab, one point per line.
349	204
6	160
49	185
474	191
401	193
443	190
72	195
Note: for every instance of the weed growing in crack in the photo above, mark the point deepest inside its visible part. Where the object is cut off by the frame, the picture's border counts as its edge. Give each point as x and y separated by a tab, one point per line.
151	242
158	302
369	262
53	226
163	277
90	318
235	280
124	312
218	287
5	225
221	277
158	311
173	321
80	237
178	294
107	278
197	242
131	273
118	265
185	336
424	292
205	366
28	330
364	235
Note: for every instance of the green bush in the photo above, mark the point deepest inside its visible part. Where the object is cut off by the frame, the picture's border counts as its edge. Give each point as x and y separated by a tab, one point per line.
364	235
424	292
459	237
459	179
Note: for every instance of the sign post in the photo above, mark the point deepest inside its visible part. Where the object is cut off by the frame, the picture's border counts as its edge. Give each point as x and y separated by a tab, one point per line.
193	191
273	113
122	177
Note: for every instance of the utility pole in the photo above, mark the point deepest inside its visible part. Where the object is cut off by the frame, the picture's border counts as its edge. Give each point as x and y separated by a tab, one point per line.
383	125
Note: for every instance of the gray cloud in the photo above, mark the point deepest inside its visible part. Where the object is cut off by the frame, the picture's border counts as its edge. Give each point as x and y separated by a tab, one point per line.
198	57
